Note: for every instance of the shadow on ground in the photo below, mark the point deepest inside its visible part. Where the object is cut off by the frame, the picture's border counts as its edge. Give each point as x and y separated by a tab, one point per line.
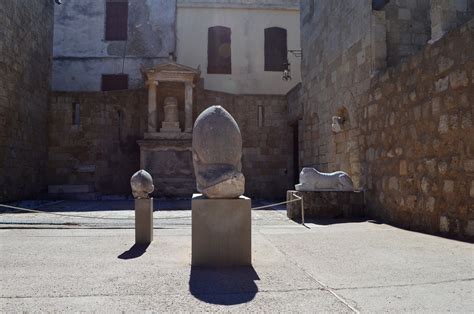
135	251
224	286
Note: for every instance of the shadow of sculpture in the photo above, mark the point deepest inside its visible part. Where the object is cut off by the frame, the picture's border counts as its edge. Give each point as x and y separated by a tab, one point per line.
135	251
224	286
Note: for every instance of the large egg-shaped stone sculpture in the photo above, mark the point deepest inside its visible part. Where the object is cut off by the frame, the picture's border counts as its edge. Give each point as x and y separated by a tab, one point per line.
217	154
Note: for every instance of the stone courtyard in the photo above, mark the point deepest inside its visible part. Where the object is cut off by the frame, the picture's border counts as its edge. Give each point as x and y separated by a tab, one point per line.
53	263
234	155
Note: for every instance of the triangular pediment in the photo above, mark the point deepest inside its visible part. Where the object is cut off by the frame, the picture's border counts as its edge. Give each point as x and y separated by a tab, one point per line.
171	71
171	66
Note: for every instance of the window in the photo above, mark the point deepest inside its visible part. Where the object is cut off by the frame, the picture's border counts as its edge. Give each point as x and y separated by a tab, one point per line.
219	50
114	82
76	114
116	20
275	49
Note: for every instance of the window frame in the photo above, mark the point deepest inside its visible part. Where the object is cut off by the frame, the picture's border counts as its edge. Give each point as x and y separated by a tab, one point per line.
219	35
110	33
271	65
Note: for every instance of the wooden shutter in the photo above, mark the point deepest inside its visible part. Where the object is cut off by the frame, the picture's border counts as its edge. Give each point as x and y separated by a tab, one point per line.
275	49
116	20
219	50
114	82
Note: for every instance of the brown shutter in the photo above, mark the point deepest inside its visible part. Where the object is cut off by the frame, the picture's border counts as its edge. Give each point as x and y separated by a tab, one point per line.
219	50
275	49
116	20
114	82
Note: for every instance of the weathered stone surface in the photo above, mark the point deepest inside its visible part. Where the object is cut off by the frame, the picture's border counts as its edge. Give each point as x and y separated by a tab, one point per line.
407	126
326	204
26	32
266	148
142	184
217	153
313	180
221	231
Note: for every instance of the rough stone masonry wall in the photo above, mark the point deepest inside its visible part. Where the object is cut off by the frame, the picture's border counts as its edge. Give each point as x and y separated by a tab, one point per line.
417	139
26	35
343	43
266	140
101	151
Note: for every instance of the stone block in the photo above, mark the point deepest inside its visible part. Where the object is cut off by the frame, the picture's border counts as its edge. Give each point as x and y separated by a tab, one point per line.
68	189
326	204
448	186
144	221
221	231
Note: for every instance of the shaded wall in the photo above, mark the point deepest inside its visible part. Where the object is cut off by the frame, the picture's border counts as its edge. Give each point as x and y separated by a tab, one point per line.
26	32
266	139
102	152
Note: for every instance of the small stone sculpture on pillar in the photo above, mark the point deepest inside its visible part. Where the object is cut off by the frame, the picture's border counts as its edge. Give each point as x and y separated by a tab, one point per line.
142	186
221	217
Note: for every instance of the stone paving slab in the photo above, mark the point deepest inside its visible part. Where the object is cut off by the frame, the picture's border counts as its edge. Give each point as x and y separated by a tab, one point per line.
330	266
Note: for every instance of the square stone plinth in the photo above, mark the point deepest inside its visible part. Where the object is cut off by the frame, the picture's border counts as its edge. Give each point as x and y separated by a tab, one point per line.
221	231
326	204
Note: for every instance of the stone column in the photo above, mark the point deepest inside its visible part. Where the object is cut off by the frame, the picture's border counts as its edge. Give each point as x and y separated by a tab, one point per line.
188	106
152	118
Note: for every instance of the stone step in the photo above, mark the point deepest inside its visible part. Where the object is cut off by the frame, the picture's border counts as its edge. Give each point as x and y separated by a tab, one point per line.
79	192
69	188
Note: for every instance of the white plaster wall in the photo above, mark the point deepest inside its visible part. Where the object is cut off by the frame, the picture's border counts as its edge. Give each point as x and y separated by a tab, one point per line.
247	42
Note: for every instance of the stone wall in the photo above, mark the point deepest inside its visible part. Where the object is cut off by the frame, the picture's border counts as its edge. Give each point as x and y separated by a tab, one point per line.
266	139
408	28
416	139
102	151
339	56
449	14
26	32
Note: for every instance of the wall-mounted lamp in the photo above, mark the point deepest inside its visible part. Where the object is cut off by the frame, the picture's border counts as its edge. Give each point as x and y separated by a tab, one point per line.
287	65
286	71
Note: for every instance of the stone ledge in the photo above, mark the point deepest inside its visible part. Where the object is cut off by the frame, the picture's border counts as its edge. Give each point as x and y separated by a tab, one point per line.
326	204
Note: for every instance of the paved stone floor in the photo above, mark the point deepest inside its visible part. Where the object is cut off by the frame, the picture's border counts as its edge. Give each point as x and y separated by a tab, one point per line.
58	263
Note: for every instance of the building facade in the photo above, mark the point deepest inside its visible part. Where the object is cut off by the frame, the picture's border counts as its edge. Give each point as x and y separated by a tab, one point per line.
241	47
134	51
103	45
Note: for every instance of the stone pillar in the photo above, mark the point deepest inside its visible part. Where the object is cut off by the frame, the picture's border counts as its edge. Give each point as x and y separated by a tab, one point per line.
152	117
188	106
143	221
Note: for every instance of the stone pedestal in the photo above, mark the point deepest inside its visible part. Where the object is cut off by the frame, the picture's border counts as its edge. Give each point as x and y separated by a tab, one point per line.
167	157
144	221
221	231
326	204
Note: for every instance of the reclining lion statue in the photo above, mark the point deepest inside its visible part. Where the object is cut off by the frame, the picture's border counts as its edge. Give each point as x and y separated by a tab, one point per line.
313	180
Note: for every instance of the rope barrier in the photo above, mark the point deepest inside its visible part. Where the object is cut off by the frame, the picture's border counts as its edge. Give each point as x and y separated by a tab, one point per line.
298	199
